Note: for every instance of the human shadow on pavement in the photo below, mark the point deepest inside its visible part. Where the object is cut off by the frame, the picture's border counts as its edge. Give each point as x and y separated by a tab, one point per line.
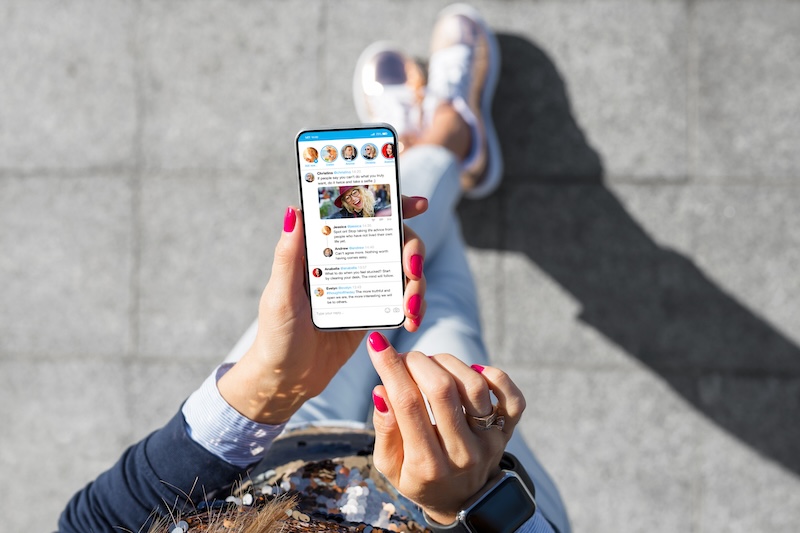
652	302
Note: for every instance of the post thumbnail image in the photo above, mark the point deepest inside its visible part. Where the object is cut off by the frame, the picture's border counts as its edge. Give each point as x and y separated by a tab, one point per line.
355	201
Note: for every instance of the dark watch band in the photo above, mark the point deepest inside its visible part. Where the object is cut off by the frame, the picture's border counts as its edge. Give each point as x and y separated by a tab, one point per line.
503	505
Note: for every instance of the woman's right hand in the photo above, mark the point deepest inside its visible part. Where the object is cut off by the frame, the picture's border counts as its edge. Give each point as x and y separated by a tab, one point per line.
440	466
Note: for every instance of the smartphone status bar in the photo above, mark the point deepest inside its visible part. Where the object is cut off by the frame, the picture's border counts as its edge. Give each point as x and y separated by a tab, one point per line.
329	135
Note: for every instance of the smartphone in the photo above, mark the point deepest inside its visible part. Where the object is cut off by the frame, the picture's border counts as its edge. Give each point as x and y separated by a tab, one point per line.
353	222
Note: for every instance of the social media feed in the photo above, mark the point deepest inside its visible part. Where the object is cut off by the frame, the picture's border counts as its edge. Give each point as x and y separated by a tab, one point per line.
350	201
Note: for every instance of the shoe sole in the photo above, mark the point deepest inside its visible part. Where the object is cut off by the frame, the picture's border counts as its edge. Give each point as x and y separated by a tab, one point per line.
493	173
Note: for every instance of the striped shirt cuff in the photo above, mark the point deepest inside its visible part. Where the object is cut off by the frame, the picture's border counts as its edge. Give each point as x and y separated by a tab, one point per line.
536	524
223	431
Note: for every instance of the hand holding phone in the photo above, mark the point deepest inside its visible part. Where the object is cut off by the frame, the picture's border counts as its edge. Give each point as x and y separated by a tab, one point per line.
291	360
353	222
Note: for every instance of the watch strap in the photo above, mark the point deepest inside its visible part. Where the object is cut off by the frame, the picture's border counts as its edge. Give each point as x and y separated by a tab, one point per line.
510	462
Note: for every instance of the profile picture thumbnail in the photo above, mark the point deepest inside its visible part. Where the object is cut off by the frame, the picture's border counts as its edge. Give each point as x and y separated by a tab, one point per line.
329	153
349	152
319	291
327	252
326	230
388	150
310	155
310	177
317	272
369	151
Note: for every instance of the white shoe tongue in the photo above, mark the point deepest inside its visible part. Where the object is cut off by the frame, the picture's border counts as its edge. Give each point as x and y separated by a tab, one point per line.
448	72
395	105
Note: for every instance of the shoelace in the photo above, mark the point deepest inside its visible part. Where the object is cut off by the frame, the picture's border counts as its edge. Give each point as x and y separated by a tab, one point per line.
397	106
449	72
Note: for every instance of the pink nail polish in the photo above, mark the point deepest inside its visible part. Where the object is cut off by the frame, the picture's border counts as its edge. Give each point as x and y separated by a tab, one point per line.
414	304
477	368
378	341
289	220
416	265
380	403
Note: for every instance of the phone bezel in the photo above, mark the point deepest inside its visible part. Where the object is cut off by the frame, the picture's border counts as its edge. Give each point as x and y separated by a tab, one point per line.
396	184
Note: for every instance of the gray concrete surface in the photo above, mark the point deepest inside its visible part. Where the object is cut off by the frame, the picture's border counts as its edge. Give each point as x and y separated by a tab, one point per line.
638	267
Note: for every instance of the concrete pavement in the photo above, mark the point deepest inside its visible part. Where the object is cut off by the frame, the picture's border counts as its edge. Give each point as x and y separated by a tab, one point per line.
638	266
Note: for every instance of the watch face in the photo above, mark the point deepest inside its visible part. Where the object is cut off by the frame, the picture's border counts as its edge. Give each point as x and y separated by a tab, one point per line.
504	510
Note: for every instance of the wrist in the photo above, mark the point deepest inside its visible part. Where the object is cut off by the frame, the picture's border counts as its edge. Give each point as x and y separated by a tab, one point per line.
258	395
448	514
505	495
441	518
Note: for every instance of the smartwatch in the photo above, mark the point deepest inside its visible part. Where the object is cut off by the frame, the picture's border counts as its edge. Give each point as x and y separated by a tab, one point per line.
502	506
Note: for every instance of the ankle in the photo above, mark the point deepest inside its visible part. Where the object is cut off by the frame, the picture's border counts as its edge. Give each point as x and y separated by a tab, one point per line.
448	128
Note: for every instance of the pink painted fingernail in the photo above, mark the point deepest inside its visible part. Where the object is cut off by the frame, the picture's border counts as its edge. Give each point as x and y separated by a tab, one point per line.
416	265
477	368
415	321
380	403
378	341
289	220
414	304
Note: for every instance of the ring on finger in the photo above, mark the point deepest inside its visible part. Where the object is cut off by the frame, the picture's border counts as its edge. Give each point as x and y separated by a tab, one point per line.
485	423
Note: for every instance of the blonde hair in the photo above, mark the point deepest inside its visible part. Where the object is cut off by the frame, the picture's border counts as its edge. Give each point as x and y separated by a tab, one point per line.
310	154
367	200
272	516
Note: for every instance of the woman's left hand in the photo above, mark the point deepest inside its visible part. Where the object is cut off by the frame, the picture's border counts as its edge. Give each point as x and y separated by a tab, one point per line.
291	361
438	466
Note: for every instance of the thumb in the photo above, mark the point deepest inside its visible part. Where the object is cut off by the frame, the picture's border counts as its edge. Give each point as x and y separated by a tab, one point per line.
288	266
285	293
388	453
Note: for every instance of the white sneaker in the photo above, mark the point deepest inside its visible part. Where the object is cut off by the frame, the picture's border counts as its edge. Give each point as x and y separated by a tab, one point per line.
463	70
388	86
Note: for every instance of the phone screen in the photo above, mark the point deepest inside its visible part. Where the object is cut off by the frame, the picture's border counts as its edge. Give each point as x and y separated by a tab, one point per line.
353	221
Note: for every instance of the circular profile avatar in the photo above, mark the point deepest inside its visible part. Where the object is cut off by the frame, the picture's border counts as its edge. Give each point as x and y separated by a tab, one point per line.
317	272
311	155
369	151
329	153
326	230
327	252
388	150
310	177
349	152
319	291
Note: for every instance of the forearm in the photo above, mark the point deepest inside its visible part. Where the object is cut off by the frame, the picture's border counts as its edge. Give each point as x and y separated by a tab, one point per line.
205	448
159	470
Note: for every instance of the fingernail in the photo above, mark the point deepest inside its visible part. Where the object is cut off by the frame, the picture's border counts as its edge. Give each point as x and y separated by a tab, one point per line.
419	197
289	220
415	321
416	265
477	368
380	403
413	304
378	341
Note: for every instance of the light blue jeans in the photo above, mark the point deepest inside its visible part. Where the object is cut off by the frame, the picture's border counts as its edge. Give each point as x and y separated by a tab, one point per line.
451	323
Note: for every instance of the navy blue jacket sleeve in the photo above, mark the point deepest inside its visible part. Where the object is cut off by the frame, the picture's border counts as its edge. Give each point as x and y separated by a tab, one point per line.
152	476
